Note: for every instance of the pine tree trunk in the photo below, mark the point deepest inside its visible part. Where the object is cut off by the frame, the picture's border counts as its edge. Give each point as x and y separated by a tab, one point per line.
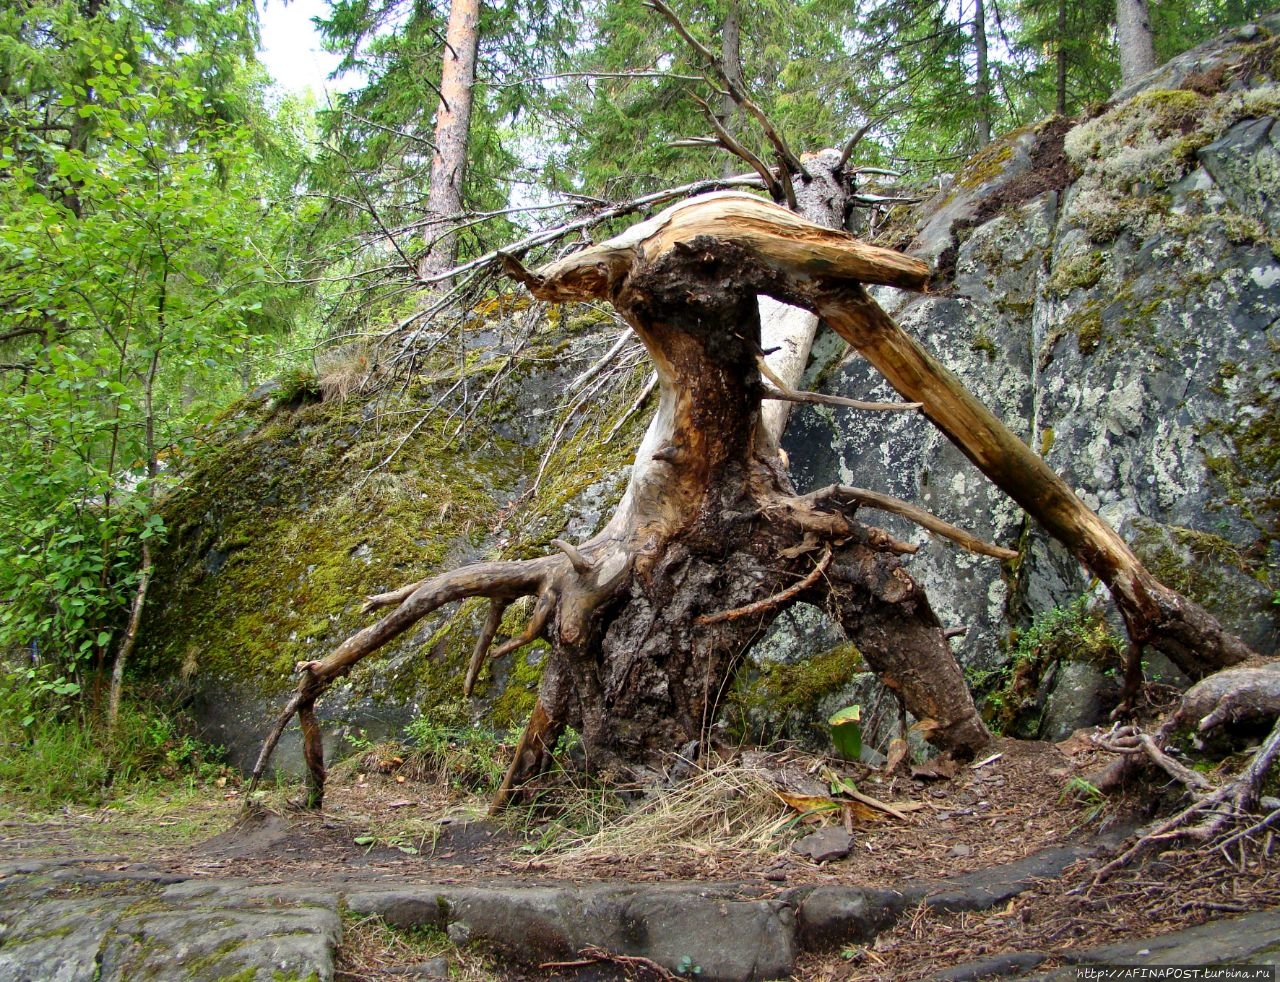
1133	35
1060	61
453	127
982	85
731	58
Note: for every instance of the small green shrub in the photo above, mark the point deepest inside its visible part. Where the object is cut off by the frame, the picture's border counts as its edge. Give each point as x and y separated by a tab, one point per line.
56	752
1074	632
466	756
298	385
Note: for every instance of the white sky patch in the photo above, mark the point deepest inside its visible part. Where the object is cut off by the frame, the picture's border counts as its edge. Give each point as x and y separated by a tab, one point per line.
291	48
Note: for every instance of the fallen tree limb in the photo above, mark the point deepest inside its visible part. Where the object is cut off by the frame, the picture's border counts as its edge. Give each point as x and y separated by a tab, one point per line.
784	391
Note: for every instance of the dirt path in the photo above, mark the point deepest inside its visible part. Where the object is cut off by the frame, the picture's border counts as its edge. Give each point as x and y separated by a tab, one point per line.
377	831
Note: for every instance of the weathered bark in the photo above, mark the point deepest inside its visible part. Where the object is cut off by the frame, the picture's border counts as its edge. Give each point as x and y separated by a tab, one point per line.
786	332
453	128
712	529
1133	36
648	619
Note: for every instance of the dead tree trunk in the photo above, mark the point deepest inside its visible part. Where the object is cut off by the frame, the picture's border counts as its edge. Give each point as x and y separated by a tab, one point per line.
648	619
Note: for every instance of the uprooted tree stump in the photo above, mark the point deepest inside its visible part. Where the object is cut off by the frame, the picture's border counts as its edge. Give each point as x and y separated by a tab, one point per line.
648	619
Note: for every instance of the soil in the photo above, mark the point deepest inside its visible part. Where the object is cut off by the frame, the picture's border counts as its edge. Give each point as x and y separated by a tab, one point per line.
1021	798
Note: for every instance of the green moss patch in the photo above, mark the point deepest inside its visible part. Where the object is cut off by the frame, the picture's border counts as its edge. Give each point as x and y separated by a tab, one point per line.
1011	696
779	701
1077	272
275	539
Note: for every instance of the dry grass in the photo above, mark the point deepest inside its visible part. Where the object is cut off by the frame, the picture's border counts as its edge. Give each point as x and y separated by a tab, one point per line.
341	371
726	809
372	950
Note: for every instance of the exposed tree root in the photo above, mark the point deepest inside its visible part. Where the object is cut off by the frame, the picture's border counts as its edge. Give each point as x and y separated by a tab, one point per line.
1214	813
501	582
785	392
838	494
531	757
647	621
593	955
491	624
769	603
1224	812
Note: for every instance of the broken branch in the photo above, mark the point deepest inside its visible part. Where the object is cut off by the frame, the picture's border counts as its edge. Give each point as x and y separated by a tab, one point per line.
784	392
729	142
503	581
533	629
576	559
790	162
913	513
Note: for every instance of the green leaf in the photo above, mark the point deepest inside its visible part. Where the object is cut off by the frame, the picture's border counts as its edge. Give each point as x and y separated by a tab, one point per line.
846	732
850	714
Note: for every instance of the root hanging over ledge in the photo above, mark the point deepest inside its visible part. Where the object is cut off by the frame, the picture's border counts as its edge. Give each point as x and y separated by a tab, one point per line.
647	620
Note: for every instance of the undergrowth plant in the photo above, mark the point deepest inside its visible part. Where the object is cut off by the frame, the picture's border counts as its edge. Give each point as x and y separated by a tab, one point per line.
67	756
140	215
1074	632
447	744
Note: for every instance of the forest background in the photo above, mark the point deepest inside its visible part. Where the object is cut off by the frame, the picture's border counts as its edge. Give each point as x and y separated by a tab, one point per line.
178	231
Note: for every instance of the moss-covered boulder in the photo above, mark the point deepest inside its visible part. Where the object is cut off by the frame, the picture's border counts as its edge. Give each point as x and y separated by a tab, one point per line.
300	508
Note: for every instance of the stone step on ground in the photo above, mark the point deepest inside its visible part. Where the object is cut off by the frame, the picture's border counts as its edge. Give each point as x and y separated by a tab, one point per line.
61	921
1253	939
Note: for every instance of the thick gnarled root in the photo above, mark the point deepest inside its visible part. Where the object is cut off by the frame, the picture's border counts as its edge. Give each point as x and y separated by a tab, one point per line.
1223	814
502	582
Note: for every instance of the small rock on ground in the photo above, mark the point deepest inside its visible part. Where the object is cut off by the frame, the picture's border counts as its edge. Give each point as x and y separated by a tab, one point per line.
825	845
